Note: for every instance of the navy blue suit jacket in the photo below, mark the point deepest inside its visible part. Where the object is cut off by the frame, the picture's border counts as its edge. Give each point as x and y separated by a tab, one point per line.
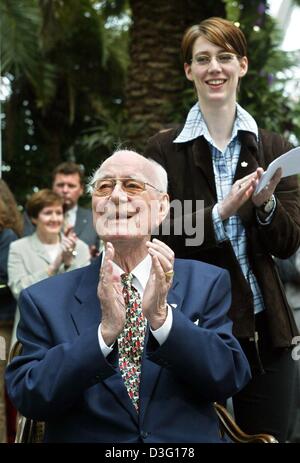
63	378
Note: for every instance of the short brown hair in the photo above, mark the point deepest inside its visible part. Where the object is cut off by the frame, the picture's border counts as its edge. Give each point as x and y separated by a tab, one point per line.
69	168
41	199
218	31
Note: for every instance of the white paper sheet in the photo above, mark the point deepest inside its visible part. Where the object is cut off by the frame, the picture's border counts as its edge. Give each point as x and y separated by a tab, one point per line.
289	163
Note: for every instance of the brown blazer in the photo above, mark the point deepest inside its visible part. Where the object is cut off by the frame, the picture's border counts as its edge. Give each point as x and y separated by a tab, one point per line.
190	171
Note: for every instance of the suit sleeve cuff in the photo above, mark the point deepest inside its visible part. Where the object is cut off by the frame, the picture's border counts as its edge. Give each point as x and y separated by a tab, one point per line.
162	333
268	219
106	350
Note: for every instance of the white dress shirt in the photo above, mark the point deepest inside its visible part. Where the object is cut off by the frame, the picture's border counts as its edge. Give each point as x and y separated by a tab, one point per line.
141	275
70	216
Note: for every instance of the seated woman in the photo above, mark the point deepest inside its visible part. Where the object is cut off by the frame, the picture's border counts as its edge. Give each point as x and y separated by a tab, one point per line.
47	251
11	225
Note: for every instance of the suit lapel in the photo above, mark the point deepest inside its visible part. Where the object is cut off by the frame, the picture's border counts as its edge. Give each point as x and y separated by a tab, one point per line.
248	159
203	160
39	249
87	312
80	222
247	163
151	371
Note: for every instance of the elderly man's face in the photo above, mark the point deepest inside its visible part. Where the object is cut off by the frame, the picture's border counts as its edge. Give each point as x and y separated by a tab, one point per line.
122	208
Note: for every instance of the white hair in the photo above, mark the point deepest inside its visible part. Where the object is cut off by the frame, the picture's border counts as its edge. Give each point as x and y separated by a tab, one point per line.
161	176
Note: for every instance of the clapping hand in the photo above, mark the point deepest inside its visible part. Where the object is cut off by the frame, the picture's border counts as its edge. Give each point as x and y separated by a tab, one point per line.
68	245
240	192
110	294
154	302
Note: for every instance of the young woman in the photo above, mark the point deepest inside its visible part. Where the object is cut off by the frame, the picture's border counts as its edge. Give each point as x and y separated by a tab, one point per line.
218	155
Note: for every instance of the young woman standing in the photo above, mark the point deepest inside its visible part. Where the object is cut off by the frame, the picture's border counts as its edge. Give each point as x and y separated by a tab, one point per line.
218	155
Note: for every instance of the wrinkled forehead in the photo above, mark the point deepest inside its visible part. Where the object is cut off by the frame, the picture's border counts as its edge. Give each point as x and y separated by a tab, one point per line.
123	166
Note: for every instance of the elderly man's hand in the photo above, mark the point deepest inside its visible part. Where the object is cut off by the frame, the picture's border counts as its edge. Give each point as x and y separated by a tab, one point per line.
112	301
154	302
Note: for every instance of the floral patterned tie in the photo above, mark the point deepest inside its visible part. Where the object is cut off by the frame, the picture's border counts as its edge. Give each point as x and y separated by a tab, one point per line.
131	340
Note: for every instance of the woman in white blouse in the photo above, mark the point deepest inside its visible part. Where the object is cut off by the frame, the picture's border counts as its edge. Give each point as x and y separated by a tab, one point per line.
47	251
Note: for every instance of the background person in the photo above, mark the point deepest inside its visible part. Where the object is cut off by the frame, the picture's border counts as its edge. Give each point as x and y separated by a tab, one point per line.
120	351
68	182
11	226
218	155
47	251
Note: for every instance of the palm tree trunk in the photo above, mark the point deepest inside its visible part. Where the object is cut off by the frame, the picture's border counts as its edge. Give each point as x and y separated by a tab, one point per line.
155	77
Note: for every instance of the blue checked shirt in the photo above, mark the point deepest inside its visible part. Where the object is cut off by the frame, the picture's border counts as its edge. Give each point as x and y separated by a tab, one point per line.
224	165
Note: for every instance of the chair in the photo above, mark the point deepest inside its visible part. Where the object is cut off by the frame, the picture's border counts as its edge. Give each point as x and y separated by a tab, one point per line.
229	427
31	431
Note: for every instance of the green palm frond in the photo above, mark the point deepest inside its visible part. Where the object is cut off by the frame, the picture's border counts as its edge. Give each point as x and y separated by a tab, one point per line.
20	22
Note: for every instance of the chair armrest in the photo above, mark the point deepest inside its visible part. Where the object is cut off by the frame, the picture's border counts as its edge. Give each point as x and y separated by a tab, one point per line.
28	431
230	428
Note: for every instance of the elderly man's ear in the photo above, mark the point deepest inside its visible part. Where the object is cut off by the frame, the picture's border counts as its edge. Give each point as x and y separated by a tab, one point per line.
164	207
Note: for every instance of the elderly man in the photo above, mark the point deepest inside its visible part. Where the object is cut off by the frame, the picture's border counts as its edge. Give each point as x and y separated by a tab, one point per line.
137	346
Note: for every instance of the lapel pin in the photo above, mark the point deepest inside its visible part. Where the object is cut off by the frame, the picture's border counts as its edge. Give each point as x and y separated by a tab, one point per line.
244	164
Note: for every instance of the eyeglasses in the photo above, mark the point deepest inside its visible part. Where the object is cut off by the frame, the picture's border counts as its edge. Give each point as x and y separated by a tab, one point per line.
132	187
222	58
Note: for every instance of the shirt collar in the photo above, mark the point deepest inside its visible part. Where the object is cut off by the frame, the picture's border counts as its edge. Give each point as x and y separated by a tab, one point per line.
195	125
140	273
73	210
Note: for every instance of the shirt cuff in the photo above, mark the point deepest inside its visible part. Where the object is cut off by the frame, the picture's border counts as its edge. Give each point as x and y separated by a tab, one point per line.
220	232
268	219
106	350
162	333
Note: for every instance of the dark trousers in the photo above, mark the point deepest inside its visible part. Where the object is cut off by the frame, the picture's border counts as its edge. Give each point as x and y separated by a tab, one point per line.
267	403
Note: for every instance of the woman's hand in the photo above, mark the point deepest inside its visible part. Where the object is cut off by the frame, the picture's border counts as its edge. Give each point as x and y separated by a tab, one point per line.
66	252
68	245
240	192
265	194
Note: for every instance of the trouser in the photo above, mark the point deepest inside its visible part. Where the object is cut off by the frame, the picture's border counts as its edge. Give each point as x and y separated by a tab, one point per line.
294	433
267	403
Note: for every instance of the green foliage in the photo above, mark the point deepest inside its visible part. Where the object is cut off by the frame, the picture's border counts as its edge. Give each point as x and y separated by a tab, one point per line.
20	22
77	74
262	91
67	63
